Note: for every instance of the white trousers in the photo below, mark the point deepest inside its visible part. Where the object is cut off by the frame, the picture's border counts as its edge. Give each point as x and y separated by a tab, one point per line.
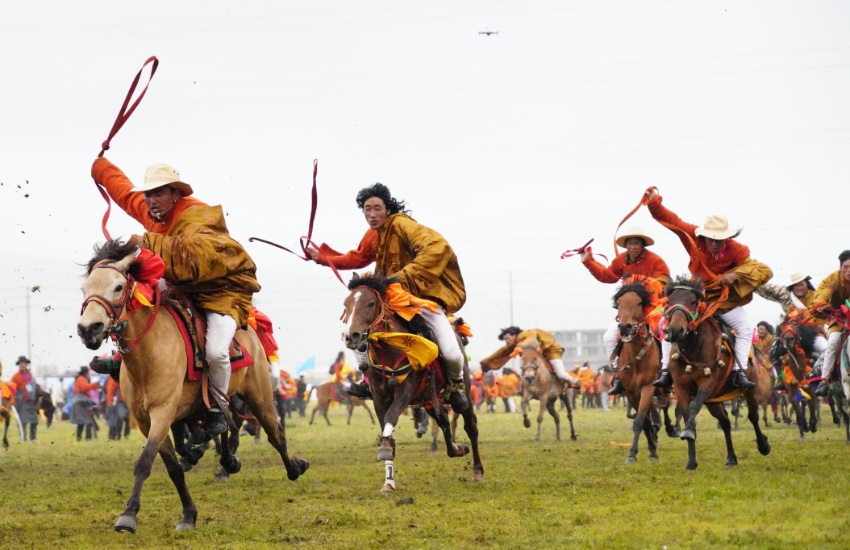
220	332
738	320
561	372
609	340
446	340
830	354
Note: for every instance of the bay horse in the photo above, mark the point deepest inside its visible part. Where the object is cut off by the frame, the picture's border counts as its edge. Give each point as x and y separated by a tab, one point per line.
765	396
700	362
792	351
154	381
539	382
328	393
639	357
395	377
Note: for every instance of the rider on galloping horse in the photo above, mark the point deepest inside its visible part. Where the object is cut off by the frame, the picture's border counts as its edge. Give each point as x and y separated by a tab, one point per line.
636	260
201	259
425	265
714	250
833	291
513	336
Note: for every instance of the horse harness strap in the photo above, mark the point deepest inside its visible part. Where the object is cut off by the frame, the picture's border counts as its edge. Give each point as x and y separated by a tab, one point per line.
648	342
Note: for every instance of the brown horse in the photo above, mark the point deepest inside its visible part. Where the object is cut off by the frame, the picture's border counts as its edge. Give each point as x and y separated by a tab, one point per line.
394	382
793	350
153	376
765	396
639	357
700	363
326	394
539	383
5	411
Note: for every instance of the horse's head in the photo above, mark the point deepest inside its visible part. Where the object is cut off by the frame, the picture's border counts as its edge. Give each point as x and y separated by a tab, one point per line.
529	353
364	309
106	291
795	336
685	302
630	302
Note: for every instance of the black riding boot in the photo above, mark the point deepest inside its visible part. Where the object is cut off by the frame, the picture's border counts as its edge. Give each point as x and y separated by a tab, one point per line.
616	387
739	380
823	389
664	380
359	390
216	423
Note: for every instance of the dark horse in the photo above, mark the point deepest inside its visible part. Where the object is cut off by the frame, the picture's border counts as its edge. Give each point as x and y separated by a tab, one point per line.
639	356
393	379
154	380
700	363
793	349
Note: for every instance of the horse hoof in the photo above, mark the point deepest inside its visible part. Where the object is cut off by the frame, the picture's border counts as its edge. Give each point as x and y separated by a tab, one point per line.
222	476
631	460
433	447
384	454
688	434
479	476
764	448
125	524
185	465
574	437
185	526
233	466
653	459
731	464
527	423
801	438
691	467
387	490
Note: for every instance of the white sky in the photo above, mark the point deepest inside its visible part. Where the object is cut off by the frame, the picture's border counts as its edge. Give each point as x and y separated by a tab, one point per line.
515	146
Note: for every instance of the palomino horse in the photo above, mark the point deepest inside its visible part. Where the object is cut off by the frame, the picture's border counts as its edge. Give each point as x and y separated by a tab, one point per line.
765	396
327	393
700	363
394	381
539	383
153	376
639	357
792	351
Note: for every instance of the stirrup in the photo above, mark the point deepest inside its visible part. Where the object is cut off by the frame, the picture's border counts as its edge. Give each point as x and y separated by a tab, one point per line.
739	380
358	390
665	380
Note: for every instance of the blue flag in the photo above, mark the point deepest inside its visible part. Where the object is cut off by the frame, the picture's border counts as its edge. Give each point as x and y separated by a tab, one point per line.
309	364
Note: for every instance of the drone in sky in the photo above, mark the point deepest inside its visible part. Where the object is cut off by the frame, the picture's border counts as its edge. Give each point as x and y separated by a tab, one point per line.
488	33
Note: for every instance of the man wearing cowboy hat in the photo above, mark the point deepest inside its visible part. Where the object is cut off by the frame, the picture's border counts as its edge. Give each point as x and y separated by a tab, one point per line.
798	293
718	258
201	258
636	260
833	292
26	397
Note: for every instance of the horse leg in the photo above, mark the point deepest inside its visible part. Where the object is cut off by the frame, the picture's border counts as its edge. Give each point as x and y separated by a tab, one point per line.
753	416
692	408
540	418
262	406
526	397
470	426
350	408
566	402
668	423
230	463
441	418
313	416
175	472
324	411
550	406
401	398
6	432
371	416
798	415
455	416
435	430
718	411
814	413
157	434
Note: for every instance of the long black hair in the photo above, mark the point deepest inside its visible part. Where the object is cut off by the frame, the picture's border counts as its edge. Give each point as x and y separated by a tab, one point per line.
381	191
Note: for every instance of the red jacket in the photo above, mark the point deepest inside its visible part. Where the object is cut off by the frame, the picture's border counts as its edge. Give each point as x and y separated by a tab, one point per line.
355	259
649	264
82	385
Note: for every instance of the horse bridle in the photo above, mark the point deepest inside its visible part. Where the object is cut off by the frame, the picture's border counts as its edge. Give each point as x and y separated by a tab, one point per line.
113	309
693	316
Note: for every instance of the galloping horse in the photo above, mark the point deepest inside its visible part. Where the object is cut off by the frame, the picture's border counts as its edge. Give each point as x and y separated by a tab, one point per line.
396	377
792	350
154	380
639	358
765	396
538	383
325	394
700	363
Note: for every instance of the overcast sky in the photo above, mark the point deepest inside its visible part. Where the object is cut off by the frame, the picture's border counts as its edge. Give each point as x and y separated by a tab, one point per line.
515	146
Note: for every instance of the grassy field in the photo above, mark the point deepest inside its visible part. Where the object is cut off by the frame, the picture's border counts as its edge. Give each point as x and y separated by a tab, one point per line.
59	493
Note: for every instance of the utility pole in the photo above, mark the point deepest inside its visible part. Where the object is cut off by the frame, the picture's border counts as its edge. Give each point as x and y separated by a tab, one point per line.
29	331
511	295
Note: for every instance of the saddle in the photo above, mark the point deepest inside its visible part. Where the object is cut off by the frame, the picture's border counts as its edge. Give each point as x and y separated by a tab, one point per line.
193	328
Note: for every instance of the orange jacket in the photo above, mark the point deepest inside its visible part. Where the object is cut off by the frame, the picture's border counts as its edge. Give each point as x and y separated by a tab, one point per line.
82	385
649	264
112	387
355	259
508	385
19	382
474	394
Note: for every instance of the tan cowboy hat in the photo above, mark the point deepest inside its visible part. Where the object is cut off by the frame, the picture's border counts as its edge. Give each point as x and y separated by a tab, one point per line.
797	277
159	175
634	231
717	228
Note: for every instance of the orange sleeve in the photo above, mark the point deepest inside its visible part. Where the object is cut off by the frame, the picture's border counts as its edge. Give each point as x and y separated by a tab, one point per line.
81	385
354	259
662	214
111	386
610	274
120	188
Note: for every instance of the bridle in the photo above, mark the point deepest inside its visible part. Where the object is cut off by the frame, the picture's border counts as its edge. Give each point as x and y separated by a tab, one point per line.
695	317
119	311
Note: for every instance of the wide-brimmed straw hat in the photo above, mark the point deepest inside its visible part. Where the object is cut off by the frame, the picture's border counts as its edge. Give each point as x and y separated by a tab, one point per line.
634	231
798	277
717	228
159	175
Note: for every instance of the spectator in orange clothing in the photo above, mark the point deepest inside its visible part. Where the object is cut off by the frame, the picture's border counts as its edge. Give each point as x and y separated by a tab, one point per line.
116	415
508	386
491	391
82	408
25	397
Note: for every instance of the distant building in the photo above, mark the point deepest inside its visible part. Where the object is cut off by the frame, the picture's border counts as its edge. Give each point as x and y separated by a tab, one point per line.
582	345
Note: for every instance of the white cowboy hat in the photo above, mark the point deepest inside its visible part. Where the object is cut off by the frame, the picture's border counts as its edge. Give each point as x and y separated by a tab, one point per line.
798	277
159	175
717	228
634	231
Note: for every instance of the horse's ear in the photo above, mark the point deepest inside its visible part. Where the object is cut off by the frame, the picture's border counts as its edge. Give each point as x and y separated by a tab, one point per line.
355	276
124	263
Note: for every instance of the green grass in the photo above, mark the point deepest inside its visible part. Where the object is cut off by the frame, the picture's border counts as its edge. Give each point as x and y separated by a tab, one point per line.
59	493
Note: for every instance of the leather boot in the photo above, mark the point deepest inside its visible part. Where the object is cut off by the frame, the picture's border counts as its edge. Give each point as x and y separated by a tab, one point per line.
664	380
823	389
457	397
359	390
616	387
739	380
215	424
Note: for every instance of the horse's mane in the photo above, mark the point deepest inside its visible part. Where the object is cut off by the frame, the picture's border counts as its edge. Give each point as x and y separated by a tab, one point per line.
378	283
636	287
694	284
112	250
